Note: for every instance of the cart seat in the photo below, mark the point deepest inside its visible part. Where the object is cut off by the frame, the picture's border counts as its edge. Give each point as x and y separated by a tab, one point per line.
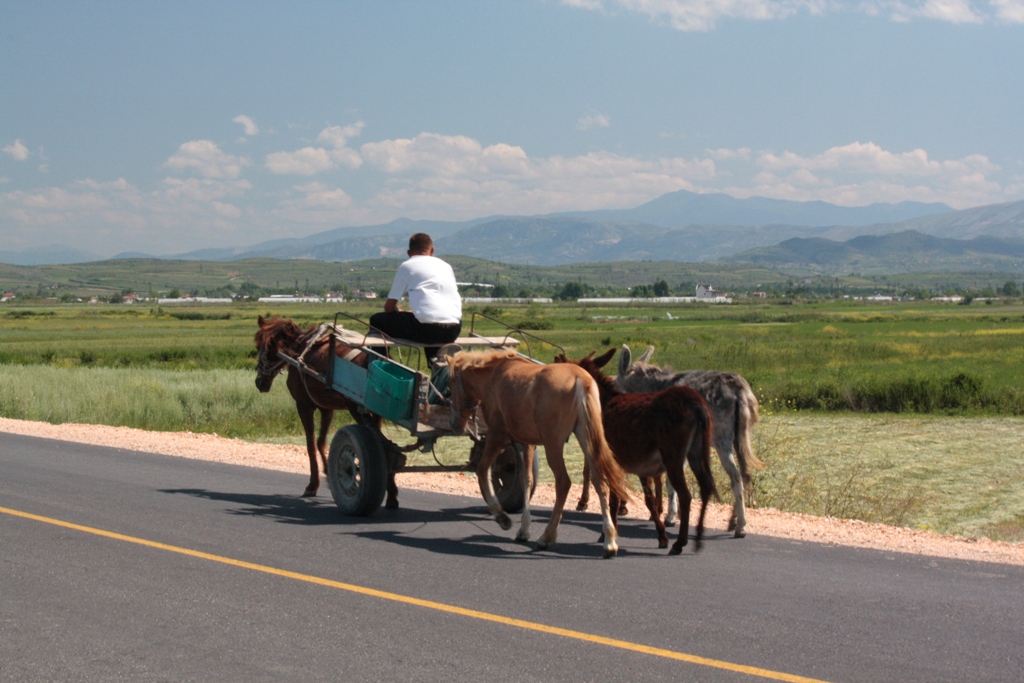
354	338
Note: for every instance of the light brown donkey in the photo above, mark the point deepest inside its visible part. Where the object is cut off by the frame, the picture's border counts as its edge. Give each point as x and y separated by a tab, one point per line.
537	404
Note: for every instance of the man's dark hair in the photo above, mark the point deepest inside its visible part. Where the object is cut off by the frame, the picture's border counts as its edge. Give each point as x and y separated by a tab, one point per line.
420	243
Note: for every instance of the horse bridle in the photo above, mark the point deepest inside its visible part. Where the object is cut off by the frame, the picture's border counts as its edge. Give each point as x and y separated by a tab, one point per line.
267	368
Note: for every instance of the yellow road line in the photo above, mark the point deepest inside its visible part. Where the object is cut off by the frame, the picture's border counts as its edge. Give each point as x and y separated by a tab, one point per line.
439	606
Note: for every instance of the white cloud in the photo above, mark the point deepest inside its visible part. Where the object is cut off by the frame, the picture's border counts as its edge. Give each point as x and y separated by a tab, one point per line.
592	121
207	159
313	160
704	15
248	124
17	150
1009	11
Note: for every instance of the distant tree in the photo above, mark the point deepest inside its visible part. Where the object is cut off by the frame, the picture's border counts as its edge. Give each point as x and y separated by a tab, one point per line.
642	292
499	292
1010	289
174	294
660	288
117	299
571	291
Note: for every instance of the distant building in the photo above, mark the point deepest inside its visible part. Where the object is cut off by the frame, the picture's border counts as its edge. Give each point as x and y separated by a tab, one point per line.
8	296
759	295
360	295
707	292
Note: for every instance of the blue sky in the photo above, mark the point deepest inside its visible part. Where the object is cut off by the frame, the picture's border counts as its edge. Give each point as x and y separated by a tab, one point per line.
169	126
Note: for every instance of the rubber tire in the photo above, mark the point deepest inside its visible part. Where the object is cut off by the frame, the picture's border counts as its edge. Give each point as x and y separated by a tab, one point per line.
357	470
505	478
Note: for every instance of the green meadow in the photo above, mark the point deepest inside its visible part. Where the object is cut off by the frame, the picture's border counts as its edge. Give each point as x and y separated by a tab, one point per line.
905	413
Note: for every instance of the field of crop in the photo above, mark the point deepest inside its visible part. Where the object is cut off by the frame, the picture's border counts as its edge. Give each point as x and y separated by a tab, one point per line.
909	414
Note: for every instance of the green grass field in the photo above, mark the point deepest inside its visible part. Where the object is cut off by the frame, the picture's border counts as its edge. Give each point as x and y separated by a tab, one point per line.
908	414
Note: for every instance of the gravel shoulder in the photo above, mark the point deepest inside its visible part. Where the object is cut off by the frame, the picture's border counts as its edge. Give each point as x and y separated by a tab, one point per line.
290	458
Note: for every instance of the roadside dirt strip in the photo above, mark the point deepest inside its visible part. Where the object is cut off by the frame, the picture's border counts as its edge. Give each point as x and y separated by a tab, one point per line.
290	458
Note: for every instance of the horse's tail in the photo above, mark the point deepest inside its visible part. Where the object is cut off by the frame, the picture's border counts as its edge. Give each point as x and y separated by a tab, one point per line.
592	439
746	418
699	453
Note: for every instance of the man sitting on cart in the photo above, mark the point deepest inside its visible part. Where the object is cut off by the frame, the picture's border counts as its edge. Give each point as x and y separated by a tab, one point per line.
436	316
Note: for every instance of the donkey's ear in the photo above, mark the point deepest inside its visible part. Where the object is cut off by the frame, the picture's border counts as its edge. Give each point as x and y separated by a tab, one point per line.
625	358
603	359
261	321
646	356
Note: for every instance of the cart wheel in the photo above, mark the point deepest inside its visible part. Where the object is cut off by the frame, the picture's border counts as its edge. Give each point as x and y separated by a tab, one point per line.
357	470
505	478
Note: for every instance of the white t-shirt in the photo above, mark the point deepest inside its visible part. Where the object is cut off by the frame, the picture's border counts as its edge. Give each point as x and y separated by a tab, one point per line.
430	283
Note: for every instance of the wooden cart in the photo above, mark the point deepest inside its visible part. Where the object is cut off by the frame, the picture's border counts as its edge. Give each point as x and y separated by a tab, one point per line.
361	457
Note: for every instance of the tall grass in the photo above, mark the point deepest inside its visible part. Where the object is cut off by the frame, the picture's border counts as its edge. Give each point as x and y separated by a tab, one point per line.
225	402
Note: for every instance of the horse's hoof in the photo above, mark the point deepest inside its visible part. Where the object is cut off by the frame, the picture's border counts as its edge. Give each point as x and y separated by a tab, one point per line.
309	493
662	544
676	550
542	543
581	507
698	545
522	538
504	521
740	534
609	553
391	504
669	525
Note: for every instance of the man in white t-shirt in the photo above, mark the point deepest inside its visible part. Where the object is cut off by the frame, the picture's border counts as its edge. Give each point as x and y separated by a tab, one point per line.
436	316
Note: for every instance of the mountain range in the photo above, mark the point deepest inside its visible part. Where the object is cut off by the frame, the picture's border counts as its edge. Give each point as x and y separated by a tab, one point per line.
679	226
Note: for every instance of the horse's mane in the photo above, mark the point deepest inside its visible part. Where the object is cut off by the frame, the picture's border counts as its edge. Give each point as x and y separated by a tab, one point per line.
278	327
479	359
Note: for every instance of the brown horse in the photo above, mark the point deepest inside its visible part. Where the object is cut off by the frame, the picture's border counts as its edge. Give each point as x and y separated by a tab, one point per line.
657	433
536	404
281	334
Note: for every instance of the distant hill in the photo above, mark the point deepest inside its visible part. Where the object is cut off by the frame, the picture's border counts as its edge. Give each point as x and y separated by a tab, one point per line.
688	208
903	252
52	254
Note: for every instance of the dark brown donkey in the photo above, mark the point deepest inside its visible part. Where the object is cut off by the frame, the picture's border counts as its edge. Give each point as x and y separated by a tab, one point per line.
657	433
281	334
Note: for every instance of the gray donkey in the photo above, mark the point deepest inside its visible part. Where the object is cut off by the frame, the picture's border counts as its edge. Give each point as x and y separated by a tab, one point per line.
733	408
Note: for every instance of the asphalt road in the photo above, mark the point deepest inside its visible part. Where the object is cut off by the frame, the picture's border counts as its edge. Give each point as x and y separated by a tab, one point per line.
116	565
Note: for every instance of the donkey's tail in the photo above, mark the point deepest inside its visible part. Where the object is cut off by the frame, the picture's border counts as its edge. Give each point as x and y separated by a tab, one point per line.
699	454
592	439
746	418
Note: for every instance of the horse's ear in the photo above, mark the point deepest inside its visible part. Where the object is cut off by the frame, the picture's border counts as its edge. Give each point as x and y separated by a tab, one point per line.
560	358
645	357
261	321
603	359
625	358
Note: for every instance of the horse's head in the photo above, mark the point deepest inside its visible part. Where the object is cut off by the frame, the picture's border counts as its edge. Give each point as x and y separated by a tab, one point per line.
267	362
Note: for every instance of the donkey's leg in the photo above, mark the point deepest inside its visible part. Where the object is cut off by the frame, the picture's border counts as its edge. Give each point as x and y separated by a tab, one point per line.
496	441
652	505
738	521
306	417
554	454
673	505
678	481
585	498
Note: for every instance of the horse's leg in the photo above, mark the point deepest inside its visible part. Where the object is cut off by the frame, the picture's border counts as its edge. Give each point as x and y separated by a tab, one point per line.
326	415
496	441
652	506
738	521
611	534
585	498
526	480
678	482
556	461
306	417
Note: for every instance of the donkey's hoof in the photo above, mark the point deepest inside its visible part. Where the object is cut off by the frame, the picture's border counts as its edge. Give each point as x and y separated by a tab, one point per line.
740	534
391	504
662	543
522	538
676	549
504	521
732	524
309	493
581	506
